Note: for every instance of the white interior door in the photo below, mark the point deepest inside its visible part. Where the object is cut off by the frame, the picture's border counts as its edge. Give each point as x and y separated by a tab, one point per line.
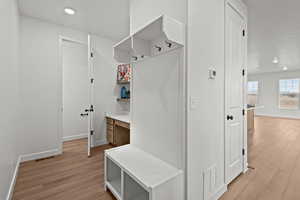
91	96
75	90
234	101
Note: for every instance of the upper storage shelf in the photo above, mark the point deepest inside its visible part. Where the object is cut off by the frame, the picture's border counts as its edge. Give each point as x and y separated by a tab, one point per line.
159	36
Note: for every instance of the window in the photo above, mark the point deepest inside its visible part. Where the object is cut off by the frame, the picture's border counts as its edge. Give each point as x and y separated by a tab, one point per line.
252	92
289	94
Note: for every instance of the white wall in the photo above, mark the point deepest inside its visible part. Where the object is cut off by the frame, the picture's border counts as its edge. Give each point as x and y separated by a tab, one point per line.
206	118
157	126
75	89
9	90
40	82
269	93
143	11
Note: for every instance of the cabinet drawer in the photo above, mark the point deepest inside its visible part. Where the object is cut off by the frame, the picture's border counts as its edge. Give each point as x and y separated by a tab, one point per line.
109	127
122	124
109	121
110	136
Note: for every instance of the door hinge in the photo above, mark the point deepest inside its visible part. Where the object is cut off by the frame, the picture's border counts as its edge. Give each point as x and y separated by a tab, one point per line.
92	108
244	33
243	72
92	80
92	132
243	152
244	112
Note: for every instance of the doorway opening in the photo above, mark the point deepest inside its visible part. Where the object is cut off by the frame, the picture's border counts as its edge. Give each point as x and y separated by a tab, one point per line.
76	91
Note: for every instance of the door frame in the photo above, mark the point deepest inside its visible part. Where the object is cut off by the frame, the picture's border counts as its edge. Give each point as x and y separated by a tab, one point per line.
61	39
241	9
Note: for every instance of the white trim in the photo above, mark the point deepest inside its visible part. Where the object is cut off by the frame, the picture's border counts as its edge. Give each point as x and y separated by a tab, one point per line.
24	158
91	96
68	39
277	116
100	143
75	137
219	192
13	181
240	7
39	155
60	95
61	39
278	94
246	169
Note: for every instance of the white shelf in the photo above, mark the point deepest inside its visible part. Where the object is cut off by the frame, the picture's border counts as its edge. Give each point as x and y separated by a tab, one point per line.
113	178
132	190
141	197
148	170
126	100
114	189
123	50
116	184
143	176
159	36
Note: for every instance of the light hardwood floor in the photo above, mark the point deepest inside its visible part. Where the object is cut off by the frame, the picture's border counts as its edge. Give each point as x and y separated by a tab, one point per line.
274	152
71	176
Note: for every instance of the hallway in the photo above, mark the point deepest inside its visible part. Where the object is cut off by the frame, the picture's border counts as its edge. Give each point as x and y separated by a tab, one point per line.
274	153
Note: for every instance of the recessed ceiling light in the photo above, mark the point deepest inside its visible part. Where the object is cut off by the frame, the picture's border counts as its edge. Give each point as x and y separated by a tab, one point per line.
70	11
285	68
275	60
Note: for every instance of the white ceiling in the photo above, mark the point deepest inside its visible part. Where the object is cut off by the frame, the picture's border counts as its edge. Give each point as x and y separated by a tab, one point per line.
108	18
274	31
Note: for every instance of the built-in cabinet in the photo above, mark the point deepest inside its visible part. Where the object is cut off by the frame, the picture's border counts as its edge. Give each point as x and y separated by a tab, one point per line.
151	166
132	174
250	121
159	36
117	132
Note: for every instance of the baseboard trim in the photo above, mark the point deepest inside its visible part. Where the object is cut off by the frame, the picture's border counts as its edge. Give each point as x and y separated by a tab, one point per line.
277	116
35	156
219	192
75	137
246	168
100	143
40	155
13	181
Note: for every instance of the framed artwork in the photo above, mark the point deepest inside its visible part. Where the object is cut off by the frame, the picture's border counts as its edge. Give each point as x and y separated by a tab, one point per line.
124	73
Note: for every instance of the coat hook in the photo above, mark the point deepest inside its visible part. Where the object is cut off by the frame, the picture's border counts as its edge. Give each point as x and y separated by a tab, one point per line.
169	44
158	48
134	57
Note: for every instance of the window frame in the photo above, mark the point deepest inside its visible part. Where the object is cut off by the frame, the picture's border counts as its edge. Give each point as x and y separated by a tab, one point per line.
258	91
278	95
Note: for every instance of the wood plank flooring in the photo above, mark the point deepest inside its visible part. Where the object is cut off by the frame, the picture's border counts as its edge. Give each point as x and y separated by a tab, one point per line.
274	152
71	176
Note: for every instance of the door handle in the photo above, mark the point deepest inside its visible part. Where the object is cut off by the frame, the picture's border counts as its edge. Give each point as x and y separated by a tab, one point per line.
229	117
84	114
